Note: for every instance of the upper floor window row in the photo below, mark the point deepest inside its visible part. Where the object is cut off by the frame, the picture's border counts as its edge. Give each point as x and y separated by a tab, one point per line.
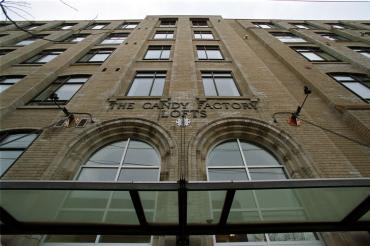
287	37
314	54
168	22
356	83
9	80
63	89
200	23
44	57
219	84
129	25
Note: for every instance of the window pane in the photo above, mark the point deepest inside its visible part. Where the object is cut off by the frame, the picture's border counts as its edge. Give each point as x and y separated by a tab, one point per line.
226	87
66	92
165	54
207	36
152	54
158	86
124	239
227	174
359	89
226	154
202	54
141	154
108	155
46	93
140	87
209	88
267	173
23	142
25	42
46	58
3	87
7	158
77	80
214	54
312	56
293	236
255	156
97	174
11	80
99	57
70	238
343	78
160	36
142	174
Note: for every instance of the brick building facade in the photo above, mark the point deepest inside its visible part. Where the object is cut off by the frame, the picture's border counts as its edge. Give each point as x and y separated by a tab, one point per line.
236	80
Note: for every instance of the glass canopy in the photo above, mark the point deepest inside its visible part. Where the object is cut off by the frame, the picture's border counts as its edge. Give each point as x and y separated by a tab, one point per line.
175	208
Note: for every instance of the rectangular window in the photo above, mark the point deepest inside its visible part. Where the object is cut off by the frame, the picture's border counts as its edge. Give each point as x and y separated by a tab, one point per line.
96	56
314	54
158	53
97	26
76	38
44	57
365	51
64	88
33	26
148	84
286	37
357	83
168	23
115	38
302	26
199	23
219	84
264	25
129	25
30	40
209	53
163	35
66	26
3	52
338	26
7	81
332	36
203	35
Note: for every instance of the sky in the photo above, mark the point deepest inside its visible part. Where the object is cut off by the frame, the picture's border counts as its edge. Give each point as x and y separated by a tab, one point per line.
138	9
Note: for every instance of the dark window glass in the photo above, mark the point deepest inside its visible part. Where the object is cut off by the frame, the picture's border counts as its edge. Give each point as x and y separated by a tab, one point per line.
167	23
163	35
203	35
3	52
357	83
219	84
76	38
44	57
158	53
148	84
12	145
209	53
7	81
64	87
314	54
96	56
199	23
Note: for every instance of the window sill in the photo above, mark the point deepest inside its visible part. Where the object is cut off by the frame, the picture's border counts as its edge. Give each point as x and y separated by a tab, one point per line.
217	61
153	60
206	39
29	65
118	98
162	39
205	98
86	64
329	62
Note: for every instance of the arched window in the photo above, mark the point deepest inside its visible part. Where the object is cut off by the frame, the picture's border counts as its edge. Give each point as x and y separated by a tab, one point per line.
12	146
122	161
238	160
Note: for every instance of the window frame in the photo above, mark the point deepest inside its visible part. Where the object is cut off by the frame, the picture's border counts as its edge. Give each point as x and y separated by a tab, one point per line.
201	33
338	26
281	35
205	49
148	74
161	48
197	23
115	36
332	36
65	26
70	38
213	75
59	83
86	58
36	59
32	39
9	84
264	25
33	26
303	26
356	78
94	26
167	22
165	32
363	50
316	51
129	25
6	134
